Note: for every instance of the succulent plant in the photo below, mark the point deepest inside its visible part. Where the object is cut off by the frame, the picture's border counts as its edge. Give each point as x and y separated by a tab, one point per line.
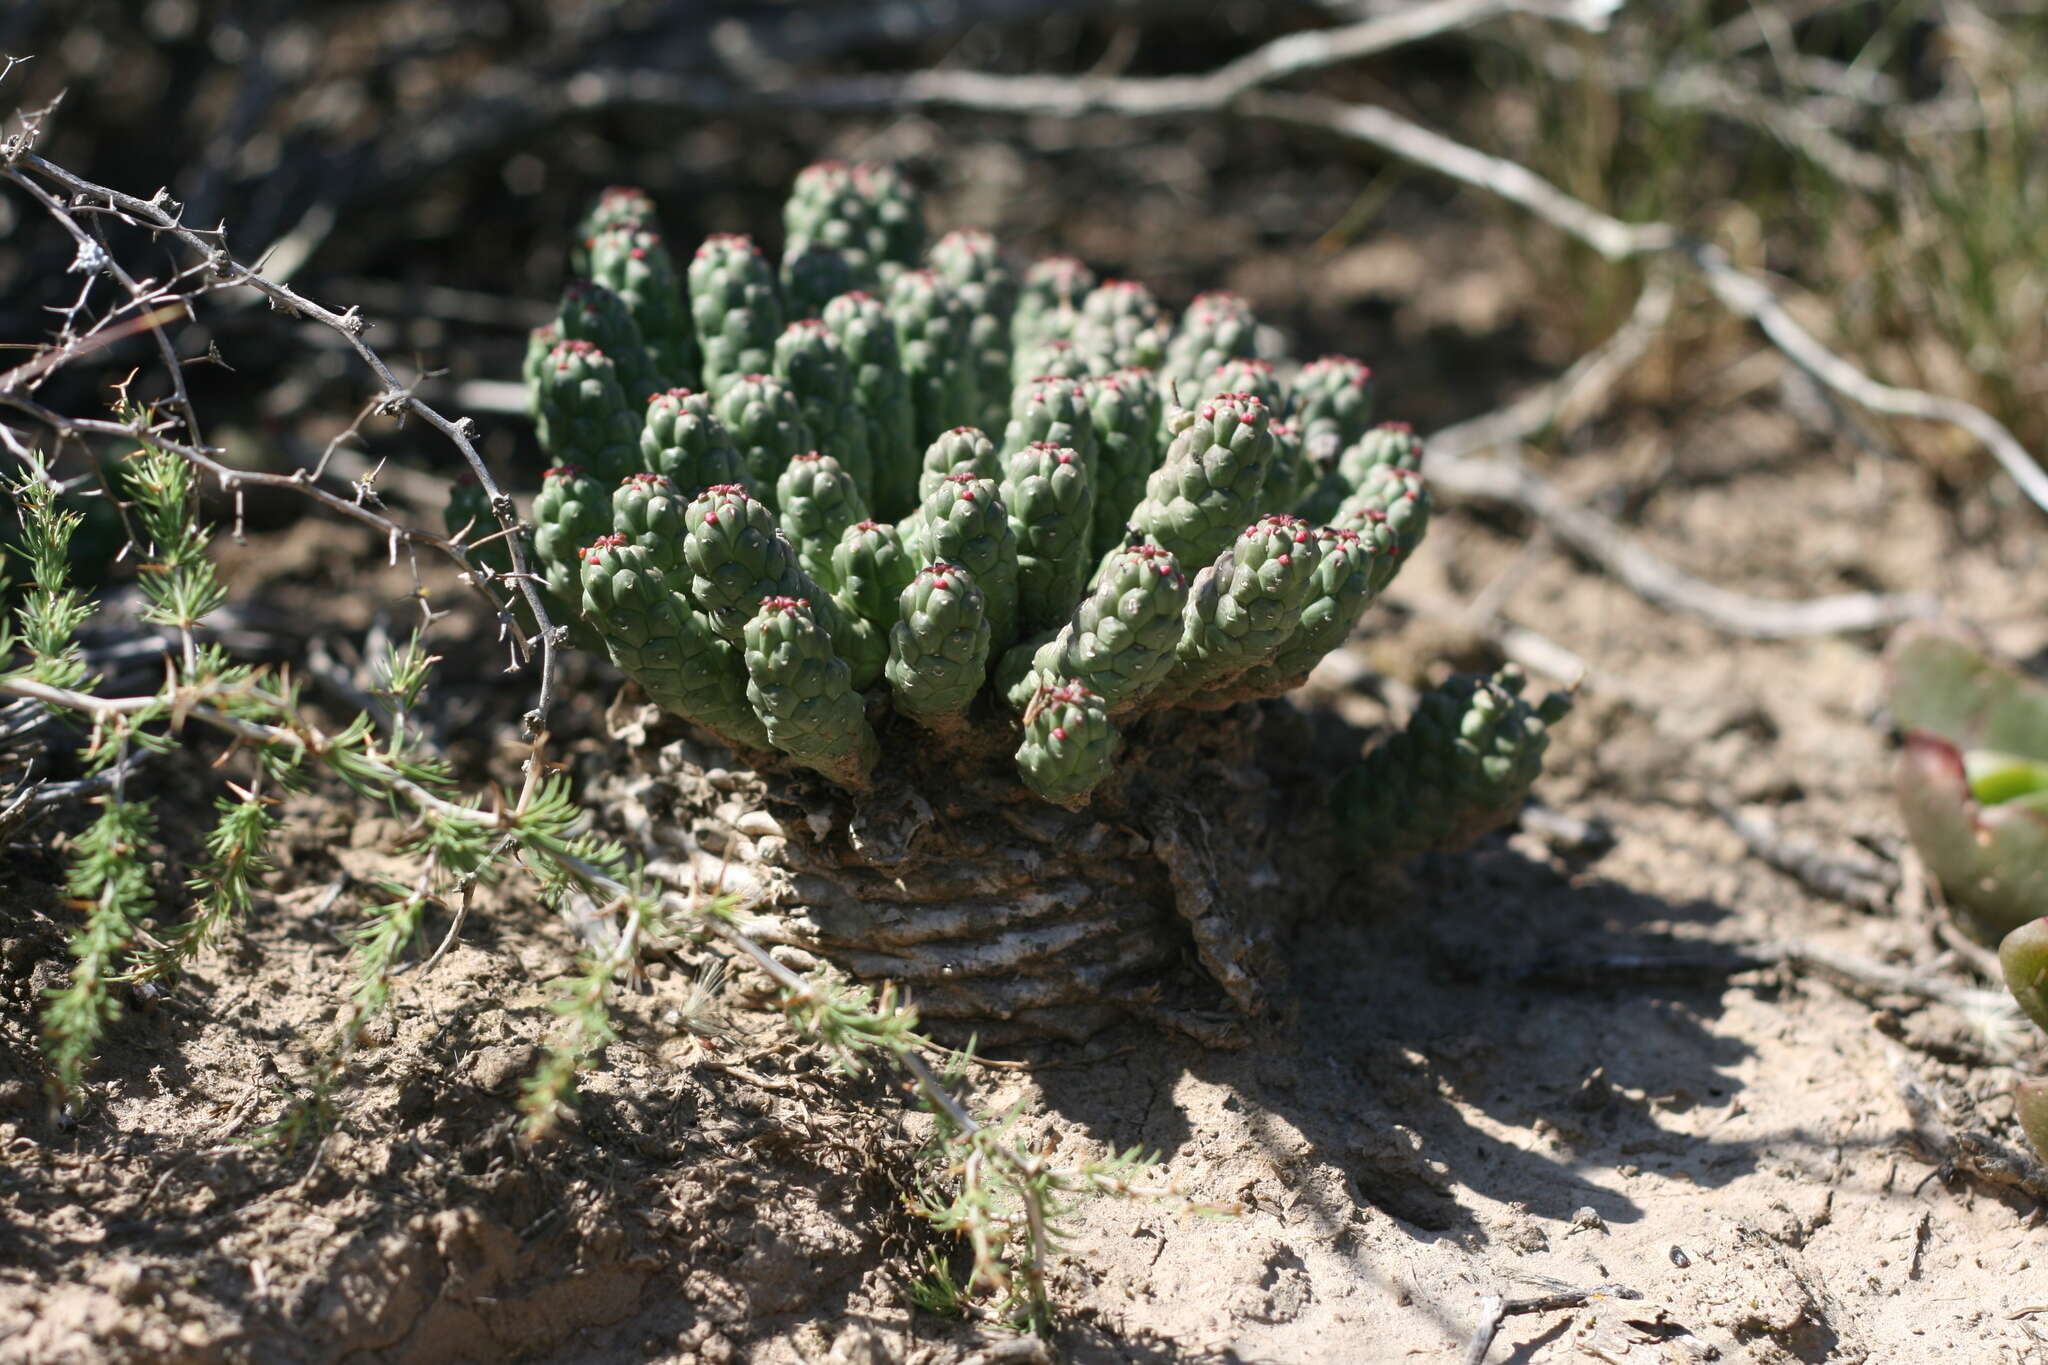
824	555
803	691
935	335
767	427
963	521
590	312
735	309
817	500
2023	957
1973	787
683	440
1217	326
1332	406
963	450
1973	775
1209	487
1048	304
967	259
617	206
1461	767
1070	744
1121	324
1124	409
817	370
656	639
882	392
938	648
1050	496
630	259
583	415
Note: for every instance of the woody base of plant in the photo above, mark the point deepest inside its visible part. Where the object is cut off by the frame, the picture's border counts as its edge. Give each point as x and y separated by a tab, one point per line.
1002	915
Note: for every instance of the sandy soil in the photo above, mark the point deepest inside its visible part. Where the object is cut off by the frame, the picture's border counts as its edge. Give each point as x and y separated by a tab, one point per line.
1539	1062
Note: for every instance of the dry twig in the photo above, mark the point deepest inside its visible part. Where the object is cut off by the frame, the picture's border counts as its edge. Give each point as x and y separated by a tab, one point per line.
1495	1310
79	206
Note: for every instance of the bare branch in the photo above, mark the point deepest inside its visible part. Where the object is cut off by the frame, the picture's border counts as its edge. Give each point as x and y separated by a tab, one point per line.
149	305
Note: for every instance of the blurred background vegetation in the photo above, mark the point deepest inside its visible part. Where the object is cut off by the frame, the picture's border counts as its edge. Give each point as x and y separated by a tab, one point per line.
1881	161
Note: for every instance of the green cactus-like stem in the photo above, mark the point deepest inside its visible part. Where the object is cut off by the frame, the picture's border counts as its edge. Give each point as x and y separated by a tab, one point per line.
816	500
1055	410
683	440
571	510
968	259
1245	374
647	512
1352	467
738	557
1048	305
1289	478
810	360
734	308
938	648
1051	501
533	368
1392	445
767	428
1397	497
1462	767
814	274
1121	325
1217	326
1243	607
882	392
590	312
825	206
870	214
964	522
584	418
963	450
1055	358
1028	666
872	568
1210	485
1122	640
1070	745
1124	409
895	212
803	692
1337	598
633	262
1333	401
1248	374
656	639
617	206
934	327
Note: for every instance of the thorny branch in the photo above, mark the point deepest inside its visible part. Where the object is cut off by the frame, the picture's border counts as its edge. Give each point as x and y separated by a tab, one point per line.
78	206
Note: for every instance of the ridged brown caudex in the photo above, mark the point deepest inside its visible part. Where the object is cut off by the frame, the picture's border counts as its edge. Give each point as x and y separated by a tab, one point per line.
1973	786
1012	560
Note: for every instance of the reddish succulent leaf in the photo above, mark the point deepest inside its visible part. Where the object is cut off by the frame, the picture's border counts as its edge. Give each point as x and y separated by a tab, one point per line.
1992	861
